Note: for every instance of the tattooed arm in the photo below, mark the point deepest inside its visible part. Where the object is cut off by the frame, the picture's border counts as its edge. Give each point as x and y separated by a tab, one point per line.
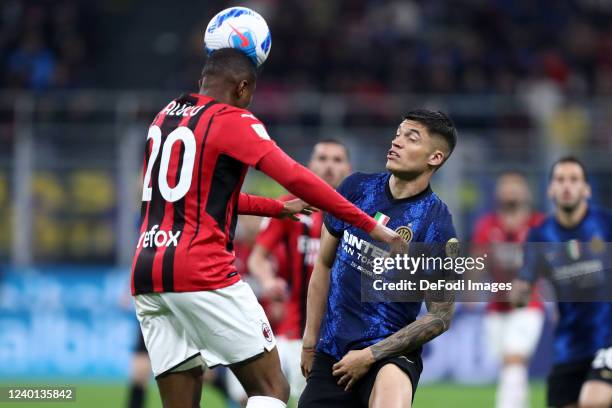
435	322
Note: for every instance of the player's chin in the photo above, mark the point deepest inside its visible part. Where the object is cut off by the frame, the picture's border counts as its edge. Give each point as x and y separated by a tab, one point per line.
393	166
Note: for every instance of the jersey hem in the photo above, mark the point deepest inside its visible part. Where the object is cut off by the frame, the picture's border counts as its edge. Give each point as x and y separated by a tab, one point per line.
201	288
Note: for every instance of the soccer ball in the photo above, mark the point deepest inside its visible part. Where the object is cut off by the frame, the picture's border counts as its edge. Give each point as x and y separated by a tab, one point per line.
241	28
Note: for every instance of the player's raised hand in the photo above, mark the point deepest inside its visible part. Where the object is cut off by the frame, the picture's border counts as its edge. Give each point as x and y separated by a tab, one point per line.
296	206
397	245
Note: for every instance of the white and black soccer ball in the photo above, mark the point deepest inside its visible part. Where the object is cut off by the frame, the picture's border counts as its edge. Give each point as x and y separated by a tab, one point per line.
240	28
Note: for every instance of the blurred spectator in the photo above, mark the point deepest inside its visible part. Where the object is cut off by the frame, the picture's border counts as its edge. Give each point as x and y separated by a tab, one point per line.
43	44
32	64
569	126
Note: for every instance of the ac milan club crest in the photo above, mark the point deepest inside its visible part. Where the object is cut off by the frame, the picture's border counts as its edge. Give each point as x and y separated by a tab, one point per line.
267	331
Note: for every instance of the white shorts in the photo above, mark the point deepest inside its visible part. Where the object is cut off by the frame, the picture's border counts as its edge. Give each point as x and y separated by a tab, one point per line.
290	353
515	332
183	330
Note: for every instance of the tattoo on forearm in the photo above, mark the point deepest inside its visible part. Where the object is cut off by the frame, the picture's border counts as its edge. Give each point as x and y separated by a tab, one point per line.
417	333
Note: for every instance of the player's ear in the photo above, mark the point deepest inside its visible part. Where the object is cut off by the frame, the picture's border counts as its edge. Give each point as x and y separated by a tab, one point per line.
436	158
242	88
239	89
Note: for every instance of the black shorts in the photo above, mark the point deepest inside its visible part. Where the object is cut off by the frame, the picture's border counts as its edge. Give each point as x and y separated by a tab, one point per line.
601	367
565	380
140	343
322	389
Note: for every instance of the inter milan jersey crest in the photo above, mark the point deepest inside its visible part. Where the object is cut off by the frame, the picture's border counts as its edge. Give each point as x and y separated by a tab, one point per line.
405	232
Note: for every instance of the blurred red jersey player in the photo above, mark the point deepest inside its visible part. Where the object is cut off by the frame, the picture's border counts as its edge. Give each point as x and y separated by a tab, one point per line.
330	161
247	229
512	334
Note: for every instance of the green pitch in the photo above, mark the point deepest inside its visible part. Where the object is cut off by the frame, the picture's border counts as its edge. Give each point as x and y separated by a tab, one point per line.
442	395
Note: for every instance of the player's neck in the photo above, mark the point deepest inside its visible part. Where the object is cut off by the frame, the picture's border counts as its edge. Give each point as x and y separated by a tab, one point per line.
573	218
217	93
405	188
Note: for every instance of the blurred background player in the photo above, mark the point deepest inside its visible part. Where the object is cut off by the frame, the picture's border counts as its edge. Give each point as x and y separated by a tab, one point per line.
575	236
512	334
330	161
360	354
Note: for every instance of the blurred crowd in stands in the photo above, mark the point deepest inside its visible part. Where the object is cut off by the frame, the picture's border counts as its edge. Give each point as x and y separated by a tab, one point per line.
45	44
473	46
479	46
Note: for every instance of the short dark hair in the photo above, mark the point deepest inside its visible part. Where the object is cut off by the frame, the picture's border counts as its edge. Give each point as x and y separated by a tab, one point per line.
230	62
568	159
331	140
437	123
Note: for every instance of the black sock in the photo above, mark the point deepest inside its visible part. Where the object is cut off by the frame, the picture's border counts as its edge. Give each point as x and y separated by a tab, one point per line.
136	398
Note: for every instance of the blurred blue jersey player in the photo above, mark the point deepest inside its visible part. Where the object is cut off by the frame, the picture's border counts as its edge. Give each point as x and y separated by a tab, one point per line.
359	354
569	249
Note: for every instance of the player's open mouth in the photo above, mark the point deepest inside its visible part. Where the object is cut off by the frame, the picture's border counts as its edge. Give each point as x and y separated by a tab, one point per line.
392	155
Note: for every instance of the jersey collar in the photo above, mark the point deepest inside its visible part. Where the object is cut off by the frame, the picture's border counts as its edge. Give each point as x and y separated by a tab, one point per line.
201	98
413	198
577	226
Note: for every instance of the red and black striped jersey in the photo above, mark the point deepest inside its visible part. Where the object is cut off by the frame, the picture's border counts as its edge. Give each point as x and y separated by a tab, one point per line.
197	155
301	238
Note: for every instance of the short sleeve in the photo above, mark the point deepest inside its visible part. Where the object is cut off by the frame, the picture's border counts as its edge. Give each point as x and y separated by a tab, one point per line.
347	189
242	136
533	261
447	229
271	234
444	231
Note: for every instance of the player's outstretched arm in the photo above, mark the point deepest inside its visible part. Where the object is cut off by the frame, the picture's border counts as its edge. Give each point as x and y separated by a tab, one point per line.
356	363
316	303
249	204
305	184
